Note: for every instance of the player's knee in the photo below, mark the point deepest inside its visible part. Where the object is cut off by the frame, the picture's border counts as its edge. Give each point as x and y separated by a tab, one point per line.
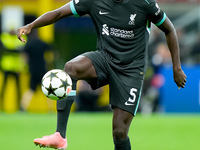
119	133
71	69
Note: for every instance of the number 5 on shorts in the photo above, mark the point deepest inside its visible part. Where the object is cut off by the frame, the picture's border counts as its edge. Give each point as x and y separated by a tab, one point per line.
131	100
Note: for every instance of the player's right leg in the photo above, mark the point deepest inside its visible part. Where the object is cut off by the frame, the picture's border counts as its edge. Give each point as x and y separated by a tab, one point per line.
80	67
121	123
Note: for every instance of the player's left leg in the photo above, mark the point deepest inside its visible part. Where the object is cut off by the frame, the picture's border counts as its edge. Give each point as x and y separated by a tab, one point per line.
80	67
63	110
121	123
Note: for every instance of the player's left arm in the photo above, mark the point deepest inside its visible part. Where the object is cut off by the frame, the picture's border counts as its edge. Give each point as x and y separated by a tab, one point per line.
172	42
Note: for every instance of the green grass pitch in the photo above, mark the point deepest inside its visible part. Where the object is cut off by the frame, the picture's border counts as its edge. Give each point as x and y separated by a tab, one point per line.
93	131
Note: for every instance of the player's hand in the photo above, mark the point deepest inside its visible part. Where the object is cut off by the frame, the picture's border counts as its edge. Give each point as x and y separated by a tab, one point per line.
23	31
179	77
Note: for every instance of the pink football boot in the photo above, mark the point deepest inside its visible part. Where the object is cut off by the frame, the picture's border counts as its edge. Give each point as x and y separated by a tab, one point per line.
55	141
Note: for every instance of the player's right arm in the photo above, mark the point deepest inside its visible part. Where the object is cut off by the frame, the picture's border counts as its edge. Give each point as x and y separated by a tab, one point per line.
45	19
160	19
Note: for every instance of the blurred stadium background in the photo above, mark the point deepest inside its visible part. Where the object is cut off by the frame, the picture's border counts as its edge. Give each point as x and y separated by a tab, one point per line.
173	115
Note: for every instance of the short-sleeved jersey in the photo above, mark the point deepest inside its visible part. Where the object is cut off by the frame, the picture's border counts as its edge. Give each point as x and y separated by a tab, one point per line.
123	28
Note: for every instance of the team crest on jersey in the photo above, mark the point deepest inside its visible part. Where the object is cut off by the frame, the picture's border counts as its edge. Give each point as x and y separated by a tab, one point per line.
132	19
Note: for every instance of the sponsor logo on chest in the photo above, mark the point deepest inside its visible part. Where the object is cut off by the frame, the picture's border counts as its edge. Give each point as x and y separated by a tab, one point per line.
122	33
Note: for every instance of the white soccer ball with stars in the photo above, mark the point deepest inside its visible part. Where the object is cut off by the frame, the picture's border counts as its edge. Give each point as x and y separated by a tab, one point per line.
56	84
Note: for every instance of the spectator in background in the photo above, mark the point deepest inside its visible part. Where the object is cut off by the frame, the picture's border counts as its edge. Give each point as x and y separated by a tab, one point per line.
195	53
162	57
156	38
150	98
35	51
184	50
11	63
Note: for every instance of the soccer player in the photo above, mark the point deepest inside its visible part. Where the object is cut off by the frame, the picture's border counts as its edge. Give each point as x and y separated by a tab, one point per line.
123	28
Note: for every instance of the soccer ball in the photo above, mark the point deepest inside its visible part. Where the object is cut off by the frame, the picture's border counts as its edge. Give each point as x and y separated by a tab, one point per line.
56	84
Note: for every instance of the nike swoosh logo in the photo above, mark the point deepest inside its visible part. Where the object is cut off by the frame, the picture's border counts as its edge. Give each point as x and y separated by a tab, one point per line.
129	104
103	13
